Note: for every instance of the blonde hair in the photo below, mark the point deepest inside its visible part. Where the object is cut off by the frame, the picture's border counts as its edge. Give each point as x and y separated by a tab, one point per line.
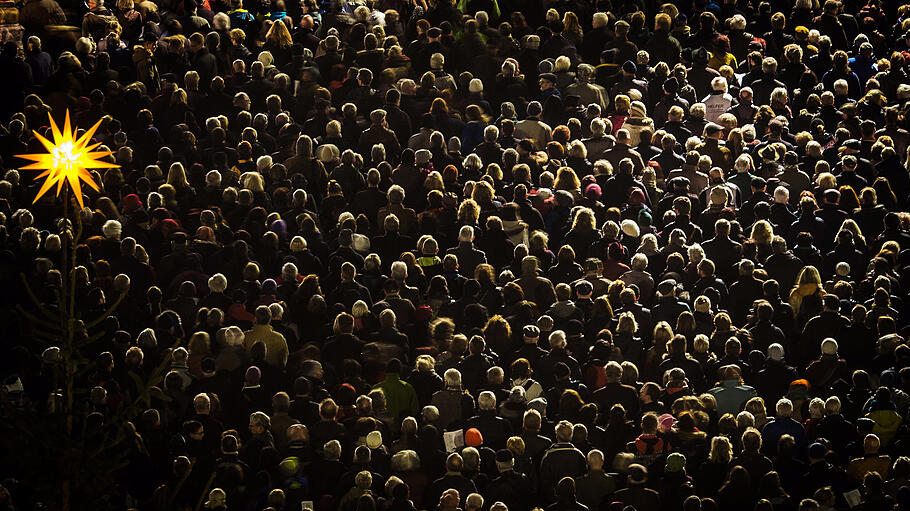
176	175
468	212
279	34
566	179
622	102
584	220
663	332
626	324
762	232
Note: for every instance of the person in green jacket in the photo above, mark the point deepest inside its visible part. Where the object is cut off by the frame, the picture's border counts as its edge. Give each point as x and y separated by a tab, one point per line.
400	396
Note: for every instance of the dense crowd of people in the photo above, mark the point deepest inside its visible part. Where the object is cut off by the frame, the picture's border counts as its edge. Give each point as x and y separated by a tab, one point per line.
499	255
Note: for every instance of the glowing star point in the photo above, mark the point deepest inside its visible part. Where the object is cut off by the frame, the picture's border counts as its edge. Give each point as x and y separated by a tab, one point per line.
67	159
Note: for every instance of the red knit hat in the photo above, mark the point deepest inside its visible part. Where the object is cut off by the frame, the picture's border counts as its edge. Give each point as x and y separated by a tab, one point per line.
131	203
473	438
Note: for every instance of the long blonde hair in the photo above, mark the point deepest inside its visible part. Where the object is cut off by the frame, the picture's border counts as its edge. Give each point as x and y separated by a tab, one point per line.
851	226
176	175
278	33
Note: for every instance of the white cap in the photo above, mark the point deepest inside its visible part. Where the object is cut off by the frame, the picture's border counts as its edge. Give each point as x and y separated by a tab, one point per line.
374	439
776	352
630	228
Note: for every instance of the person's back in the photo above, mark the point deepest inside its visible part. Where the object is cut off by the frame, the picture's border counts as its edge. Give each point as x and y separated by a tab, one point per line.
275	344
454	404
871	461
636	493
596	485
400	396
784	424
731	395
452	479
510	487
614	392
561	460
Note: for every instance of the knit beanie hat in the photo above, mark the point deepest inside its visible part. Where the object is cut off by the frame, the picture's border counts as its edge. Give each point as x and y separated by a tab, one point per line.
666	421
630	228
829	347
593	191
131	203
675	462
842	269
776	352
289	467
473	438
374	439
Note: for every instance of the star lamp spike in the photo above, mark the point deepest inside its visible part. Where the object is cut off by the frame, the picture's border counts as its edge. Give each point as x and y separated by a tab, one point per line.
67	160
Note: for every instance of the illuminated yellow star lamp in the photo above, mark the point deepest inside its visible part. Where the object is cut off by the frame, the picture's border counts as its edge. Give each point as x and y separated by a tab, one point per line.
67	160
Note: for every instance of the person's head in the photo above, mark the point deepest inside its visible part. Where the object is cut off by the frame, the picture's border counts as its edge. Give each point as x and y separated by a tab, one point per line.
452	378
871	444
784	408
259	423
751	440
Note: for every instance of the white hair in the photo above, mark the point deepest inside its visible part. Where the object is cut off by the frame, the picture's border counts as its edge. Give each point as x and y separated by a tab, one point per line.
817	408
289	272
202	402
213	178
221	21
405	461
466	233
558	339
263	163
778	94
743	163
276	310
453	377
111	229
437	60
217	283
486	400
781	195
472	161
332	450
564	431
719	83
399	270
784	407
233	336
